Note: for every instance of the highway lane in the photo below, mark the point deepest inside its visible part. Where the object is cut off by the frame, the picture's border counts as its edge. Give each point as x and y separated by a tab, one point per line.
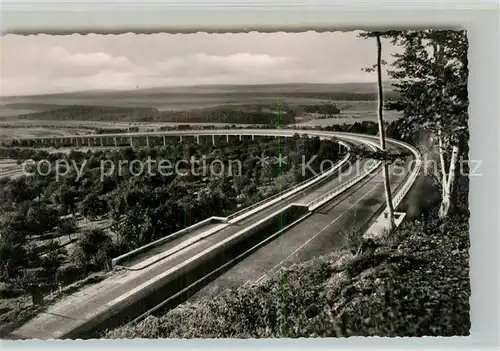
302	197
319	234
139	259
75	310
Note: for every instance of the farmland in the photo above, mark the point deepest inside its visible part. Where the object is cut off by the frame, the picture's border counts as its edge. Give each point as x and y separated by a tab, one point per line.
245	104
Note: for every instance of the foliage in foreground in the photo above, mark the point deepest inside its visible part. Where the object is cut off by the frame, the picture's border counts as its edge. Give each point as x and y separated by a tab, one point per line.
415	283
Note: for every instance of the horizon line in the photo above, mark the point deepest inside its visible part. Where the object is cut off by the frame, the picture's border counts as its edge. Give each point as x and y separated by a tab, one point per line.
187	86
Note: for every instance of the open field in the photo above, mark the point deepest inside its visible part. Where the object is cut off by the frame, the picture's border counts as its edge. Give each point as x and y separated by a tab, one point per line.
10	168
52	128
34	132
192	97
348	117
156	107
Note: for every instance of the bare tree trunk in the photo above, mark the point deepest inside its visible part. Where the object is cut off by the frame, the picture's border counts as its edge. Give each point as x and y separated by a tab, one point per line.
442	163
448	201
387	185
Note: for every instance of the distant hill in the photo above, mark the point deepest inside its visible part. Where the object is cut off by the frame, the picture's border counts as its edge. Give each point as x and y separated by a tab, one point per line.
147	114
92	113
153	103
286	88
144	97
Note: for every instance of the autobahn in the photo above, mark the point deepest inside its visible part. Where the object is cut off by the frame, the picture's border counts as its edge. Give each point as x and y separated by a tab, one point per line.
315	233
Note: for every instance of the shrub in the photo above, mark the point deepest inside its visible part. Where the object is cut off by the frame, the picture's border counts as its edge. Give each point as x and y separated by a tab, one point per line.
415	284
69	273
41	217
67	227
94	250
7	291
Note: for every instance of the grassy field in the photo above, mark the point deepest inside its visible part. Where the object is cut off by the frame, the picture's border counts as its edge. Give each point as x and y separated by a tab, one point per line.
34	132
348	117
357	102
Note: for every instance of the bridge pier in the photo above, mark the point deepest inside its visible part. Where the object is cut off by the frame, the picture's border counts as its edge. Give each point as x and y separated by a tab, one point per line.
213	139
164	140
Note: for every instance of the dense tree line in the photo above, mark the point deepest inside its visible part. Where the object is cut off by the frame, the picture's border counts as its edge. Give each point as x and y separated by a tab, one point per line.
229	115
116	130
143	114
326	109
141	208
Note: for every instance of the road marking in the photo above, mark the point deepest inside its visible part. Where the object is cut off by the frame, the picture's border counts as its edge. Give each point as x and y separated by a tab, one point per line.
318	233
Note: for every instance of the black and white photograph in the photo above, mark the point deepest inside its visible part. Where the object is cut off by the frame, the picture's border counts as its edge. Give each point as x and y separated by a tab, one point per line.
235	185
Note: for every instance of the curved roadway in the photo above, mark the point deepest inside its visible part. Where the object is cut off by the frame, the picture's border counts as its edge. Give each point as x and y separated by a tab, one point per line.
321	233
318	234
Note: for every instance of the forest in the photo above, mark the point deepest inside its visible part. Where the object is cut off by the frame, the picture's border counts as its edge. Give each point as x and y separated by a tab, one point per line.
222	114
55	232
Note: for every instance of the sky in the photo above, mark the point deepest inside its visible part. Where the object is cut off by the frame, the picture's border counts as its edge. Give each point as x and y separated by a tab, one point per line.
44	64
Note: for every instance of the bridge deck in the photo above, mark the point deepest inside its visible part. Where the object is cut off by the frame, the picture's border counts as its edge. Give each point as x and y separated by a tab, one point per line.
320	234
156	253
83	305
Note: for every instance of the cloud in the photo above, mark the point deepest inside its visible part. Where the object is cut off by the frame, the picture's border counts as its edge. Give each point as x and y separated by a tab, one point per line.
242	60
98	60
48	64
59	70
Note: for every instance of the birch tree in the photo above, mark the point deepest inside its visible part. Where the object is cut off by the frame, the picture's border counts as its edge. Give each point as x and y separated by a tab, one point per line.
431	78
380	117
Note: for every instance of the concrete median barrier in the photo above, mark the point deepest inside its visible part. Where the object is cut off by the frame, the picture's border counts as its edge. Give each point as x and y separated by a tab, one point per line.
176	279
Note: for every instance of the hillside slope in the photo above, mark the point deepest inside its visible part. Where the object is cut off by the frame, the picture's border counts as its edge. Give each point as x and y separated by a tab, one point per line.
414	283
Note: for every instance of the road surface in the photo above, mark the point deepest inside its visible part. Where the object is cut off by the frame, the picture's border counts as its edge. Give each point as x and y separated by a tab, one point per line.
312	237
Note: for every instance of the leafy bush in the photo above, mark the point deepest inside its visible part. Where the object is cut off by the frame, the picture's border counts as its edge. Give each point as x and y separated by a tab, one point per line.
68	274
67	227
93	250
41	217
7	291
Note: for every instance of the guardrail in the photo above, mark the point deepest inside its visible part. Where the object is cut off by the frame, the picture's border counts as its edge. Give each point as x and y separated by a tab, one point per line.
396	201
292	190
242	213
283	195
341	188
115	261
